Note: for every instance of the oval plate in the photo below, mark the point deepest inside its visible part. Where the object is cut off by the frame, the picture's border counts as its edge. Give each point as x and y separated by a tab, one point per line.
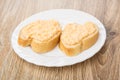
57	58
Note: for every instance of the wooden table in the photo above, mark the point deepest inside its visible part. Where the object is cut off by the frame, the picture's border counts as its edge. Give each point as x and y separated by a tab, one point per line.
105	65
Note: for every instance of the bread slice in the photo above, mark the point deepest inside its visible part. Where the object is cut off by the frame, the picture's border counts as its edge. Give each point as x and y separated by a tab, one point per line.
75	38
41	35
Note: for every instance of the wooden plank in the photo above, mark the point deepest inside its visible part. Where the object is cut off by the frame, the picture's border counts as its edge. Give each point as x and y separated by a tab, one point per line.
105	65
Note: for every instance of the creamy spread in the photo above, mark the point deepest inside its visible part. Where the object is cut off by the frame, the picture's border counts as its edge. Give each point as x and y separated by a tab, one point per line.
75	33
41	30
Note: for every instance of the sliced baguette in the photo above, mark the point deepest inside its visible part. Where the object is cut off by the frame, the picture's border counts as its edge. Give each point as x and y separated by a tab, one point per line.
42	35
76	38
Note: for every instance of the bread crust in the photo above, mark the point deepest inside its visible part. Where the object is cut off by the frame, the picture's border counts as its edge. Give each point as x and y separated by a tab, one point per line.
23	42
41	47
70	51
89	41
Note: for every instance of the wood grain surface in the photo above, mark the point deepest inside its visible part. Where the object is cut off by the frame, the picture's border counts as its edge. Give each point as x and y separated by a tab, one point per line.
105	65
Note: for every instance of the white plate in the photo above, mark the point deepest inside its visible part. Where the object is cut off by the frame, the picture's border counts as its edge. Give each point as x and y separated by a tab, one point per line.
56	58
